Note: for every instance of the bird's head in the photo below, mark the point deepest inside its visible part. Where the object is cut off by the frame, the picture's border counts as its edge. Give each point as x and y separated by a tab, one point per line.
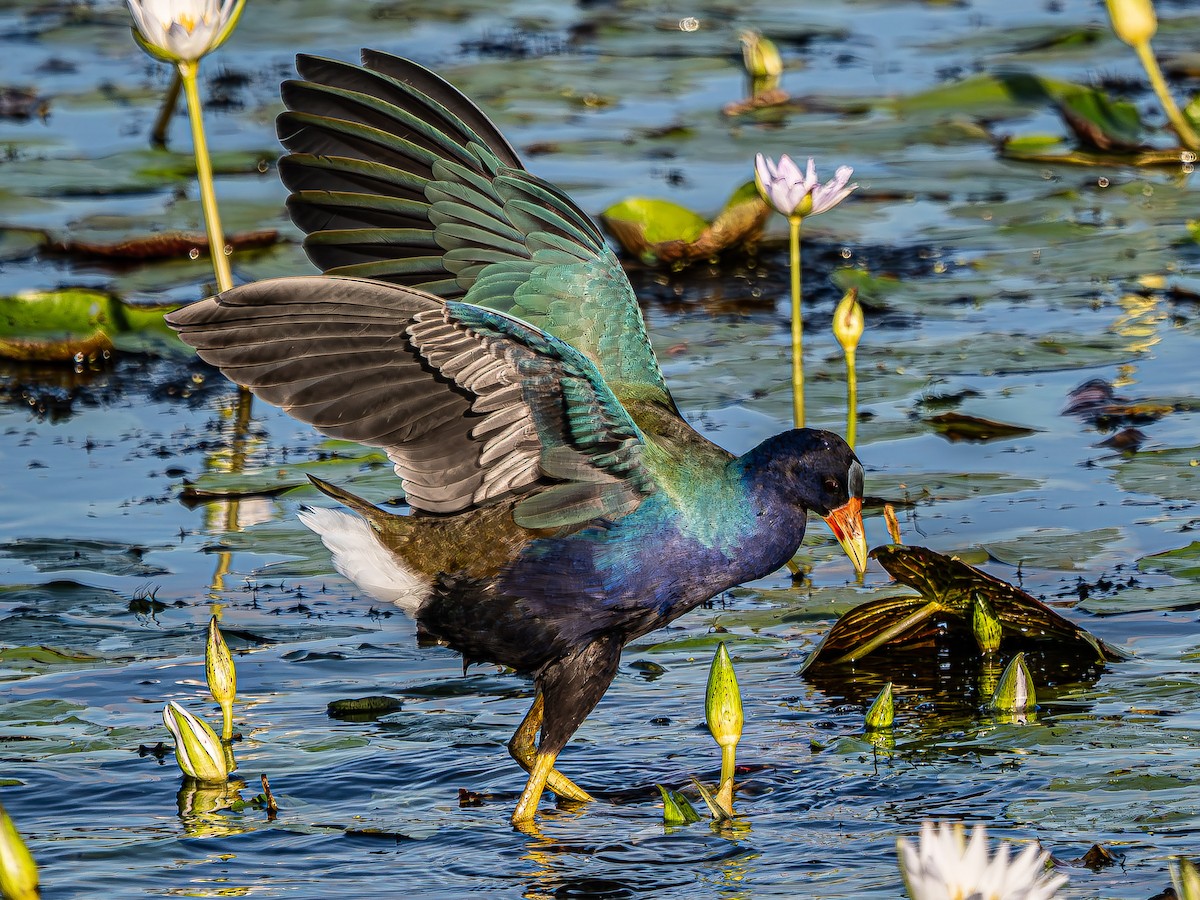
818	471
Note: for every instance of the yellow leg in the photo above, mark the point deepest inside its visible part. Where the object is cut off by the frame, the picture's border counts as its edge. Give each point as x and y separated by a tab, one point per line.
543	765
523	750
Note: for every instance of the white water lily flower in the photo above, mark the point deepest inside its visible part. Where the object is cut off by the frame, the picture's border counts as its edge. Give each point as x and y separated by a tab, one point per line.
198	750
796	193
183	30
946	866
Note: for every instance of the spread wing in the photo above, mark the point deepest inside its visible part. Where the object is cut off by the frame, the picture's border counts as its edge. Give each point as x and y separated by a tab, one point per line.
470	404
397	176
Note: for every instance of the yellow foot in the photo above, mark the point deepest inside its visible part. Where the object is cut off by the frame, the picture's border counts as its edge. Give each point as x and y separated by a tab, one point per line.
523	750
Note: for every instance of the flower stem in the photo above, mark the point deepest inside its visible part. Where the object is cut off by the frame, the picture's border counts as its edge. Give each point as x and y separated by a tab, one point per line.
1187	134
725	791
208	197
158	137
797	326
851	397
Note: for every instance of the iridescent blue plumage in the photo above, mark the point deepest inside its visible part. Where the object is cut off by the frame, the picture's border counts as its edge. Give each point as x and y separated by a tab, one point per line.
474	323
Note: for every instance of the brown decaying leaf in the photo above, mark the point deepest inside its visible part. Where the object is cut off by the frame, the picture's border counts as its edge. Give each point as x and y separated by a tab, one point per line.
1143	159
772	97
959	427
92	346
168	245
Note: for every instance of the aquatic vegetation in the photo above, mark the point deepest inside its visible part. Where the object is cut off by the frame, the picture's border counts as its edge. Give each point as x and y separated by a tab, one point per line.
945	865
951	596
181	32
1135	23
664	234
198	751
797	195
18	871
221	675
723	713
848	324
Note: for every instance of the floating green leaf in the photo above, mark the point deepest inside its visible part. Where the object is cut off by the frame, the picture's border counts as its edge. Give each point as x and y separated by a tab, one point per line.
1183	562
660	232
59	325
677	809
1100	123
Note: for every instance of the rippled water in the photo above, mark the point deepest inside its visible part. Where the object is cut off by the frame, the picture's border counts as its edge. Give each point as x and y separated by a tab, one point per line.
997	288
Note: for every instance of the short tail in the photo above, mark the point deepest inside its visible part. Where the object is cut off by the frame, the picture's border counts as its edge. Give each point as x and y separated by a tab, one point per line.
359	554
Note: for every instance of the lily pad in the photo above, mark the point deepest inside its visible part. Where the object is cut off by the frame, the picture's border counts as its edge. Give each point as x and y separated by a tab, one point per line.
662	233
1053	548
1183	562
943	610
1172	474
59	325
1100	123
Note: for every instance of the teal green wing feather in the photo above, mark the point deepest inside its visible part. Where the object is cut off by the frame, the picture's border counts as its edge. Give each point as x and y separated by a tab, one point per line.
473	406
396	176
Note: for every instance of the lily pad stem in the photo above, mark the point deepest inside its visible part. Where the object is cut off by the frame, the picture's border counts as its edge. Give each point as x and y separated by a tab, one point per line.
1187	134
208	197
162	124
797	326
851	397
725	792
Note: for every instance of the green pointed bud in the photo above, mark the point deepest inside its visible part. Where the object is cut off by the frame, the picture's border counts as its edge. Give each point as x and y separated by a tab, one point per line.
198	750
723	709
882	713
222	677
985	624
848	322
1133	21
677	809
723	700
18	871
1185	878
1015	692
760	55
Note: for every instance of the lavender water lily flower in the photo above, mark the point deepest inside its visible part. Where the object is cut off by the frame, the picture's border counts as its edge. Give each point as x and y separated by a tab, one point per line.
796	193
946	866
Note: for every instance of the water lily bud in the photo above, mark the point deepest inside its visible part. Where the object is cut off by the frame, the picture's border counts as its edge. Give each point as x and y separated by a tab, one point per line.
222	678
723	700
1186	879
198	750
18	871
882	713
985	624
1133	21
677	809
760	56
848	321
1015	691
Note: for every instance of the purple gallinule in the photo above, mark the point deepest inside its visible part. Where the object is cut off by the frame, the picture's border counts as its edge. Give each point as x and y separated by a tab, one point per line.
473	322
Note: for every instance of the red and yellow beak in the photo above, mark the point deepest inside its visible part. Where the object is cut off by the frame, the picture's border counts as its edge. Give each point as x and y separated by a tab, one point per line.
847	526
